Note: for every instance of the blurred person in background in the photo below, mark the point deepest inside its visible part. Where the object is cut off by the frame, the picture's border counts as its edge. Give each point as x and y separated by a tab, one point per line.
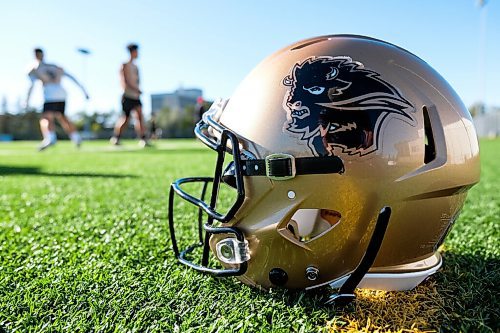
54	100
154	130
129	75
199	109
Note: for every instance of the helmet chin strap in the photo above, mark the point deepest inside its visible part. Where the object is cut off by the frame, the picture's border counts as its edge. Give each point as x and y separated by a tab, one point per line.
345	294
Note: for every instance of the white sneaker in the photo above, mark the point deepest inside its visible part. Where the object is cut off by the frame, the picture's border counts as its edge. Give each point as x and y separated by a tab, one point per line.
114	141
144	143
46	144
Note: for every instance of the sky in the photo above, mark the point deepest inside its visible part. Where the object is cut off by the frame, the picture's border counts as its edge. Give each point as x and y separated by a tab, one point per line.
212	45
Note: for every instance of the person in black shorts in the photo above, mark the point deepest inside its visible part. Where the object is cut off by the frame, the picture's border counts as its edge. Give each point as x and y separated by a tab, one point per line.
129	74
55	100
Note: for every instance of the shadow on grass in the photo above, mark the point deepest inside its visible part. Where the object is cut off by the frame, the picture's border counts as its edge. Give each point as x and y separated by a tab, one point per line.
36	171
462	296
469	287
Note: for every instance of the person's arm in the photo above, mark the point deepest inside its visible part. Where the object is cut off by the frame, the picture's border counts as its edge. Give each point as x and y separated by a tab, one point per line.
72	78
126	78
27	102
33	78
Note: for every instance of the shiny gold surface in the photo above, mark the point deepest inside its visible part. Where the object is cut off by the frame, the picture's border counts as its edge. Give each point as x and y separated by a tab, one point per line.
425	198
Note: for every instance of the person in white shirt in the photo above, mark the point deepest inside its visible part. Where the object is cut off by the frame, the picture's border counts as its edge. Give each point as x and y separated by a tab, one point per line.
129	74
54	100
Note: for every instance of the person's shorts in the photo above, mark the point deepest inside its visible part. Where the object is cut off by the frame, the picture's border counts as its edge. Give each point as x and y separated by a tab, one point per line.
54	107
129	104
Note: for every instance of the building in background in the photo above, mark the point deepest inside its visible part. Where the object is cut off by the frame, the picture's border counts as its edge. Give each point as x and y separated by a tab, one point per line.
488	123
177	101
174	112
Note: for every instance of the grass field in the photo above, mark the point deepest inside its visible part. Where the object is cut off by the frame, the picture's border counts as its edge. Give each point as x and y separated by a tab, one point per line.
84	246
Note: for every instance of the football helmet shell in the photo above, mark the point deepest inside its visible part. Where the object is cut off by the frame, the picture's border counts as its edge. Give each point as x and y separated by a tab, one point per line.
325	133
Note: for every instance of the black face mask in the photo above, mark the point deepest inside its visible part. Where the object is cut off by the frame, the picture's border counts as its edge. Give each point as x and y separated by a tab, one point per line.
232	176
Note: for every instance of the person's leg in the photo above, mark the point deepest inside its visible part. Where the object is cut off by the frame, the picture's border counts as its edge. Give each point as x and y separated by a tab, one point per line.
66	124
69	128
122	122
48	129
139	127
120	126
47	123
139	122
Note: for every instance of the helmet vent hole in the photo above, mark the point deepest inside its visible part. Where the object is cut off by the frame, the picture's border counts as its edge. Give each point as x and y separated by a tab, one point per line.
430	146
309	224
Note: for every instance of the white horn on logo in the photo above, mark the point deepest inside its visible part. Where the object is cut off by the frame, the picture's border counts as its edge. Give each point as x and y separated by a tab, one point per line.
288	80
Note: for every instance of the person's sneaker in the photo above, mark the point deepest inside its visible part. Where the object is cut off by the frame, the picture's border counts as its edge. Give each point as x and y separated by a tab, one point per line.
114	141
144	143
46	144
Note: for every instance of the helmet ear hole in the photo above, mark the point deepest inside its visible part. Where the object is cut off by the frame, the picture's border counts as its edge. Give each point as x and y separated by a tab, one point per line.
293	228
309	224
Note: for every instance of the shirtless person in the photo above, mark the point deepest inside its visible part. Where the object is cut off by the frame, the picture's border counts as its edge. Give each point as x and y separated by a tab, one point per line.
55	100
129	74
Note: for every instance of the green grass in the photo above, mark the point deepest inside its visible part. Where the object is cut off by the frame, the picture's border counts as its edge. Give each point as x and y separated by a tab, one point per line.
84	246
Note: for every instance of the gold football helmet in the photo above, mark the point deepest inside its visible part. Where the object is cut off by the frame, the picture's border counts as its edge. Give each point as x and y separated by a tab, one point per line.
350	159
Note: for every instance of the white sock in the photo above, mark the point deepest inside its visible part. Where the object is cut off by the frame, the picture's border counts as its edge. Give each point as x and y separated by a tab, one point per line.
52	136
75	137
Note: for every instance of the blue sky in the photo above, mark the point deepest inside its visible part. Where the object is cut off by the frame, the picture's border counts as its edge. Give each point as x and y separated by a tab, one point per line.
214	44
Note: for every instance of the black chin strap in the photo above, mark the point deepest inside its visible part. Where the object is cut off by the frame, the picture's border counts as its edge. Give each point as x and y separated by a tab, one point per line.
285	166
346	292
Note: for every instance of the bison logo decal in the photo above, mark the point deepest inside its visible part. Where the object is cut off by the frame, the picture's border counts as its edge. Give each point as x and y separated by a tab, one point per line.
336	103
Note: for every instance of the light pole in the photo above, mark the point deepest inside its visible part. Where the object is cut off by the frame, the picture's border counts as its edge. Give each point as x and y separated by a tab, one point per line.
85	53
